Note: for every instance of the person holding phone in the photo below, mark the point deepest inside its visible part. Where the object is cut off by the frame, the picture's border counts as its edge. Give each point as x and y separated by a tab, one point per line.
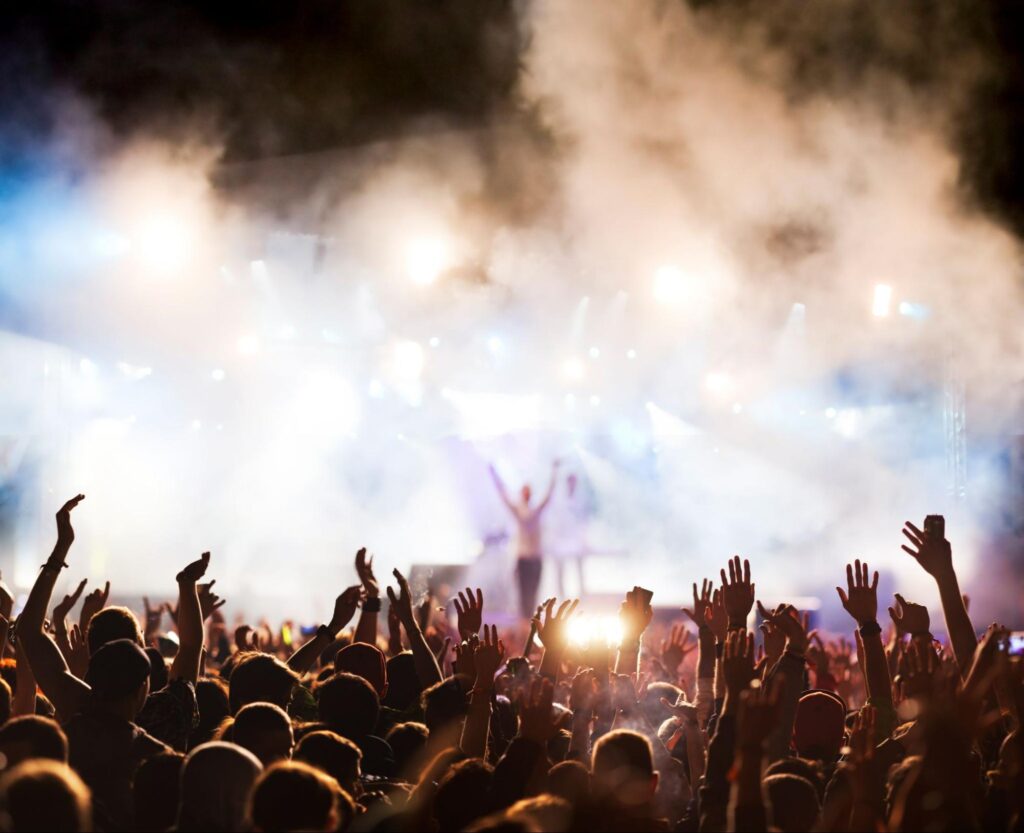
529	543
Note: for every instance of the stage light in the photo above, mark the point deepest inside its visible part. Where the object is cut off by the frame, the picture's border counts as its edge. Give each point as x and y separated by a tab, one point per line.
911	310
217	374
595	352
425	259
882	301
631	354
196	424
434	341
495	344
164	243
408	360
133	371
595	401
376	389
248	345
258	269
573	369
719	384
737	408
669	285
583	630
830	413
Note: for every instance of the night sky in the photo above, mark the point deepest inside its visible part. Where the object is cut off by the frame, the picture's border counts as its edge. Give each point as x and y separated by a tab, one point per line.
269	78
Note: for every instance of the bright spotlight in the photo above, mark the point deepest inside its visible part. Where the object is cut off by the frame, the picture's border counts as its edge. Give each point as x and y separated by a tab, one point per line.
408	360
248	345
669	285
217	374
719	384
573	369
425	259
495	344
164	243
585	630
883	300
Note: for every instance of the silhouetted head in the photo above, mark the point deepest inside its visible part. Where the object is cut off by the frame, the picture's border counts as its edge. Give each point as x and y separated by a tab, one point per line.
348	705
156	791
570	780
294	796
265	730
820	725
215	785
261	678
32	736
404	686
45	795
408	742
112	623
463	795
333	755
623	770
119	676
794	803
366	661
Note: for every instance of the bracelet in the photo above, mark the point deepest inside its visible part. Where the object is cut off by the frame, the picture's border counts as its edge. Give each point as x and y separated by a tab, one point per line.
870	629
55	567
372	604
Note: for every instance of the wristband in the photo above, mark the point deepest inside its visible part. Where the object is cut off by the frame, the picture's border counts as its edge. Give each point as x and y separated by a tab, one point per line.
55	567
923	635
372	604
870	629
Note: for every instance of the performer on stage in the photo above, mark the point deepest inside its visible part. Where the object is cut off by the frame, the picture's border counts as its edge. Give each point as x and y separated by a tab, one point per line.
529	547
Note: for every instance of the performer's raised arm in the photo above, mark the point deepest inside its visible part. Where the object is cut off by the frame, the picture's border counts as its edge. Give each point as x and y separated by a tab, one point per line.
551	488
500	486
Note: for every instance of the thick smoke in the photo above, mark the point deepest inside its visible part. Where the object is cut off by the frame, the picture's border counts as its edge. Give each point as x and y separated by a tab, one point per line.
658	265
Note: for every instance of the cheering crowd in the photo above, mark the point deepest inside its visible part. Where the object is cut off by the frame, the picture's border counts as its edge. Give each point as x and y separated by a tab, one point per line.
115	724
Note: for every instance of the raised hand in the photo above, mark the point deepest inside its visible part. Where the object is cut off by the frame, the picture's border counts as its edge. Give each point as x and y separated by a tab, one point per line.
465	657
676	648
909	617
78	652
635	614
758	715
553	629
583	693
738	662
364	569
774	639
686	712
860	598
717	618
787	620
65	532
208	600
194	571
63	607
402	601
700	611
345	607
933	554
920	665
488	657
469	610
536	718
94	602
738	592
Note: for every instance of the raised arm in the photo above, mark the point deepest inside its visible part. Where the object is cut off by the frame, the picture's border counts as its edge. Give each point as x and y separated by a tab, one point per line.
499	485
935	555
488	657
550	493
366	629
553	633
635	614
344	609
190	622
860	600
424	661
48	665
